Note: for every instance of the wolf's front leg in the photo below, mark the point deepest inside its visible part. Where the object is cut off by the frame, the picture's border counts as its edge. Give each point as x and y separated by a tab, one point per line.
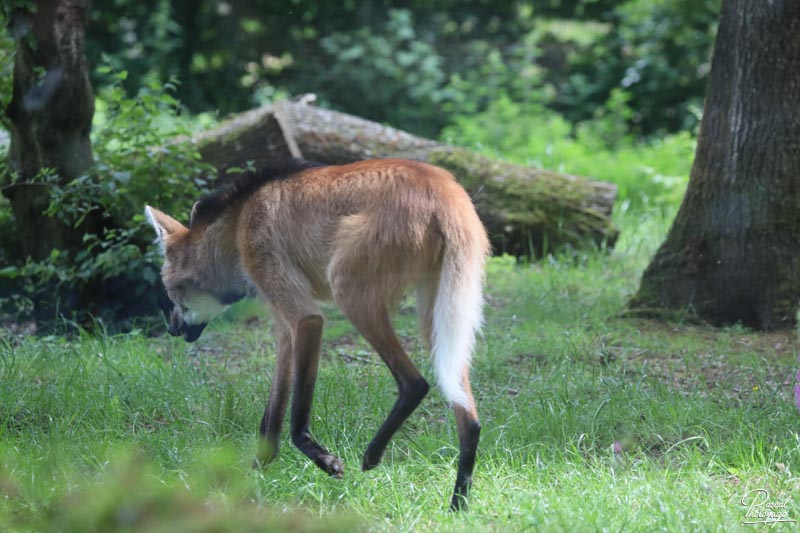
275	411
307	340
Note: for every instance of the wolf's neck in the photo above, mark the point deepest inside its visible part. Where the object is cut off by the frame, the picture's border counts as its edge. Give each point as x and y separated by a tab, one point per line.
217	250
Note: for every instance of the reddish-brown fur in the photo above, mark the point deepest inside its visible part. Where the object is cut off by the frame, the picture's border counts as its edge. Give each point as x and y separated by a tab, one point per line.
359	234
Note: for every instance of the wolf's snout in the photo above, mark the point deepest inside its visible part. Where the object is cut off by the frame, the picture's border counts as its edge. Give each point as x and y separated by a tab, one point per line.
192	333
179	328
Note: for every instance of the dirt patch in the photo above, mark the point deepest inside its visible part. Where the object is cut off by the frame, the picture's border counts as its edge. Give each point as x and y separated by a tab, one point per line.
692	359
726	362
16	332
525	360
350	349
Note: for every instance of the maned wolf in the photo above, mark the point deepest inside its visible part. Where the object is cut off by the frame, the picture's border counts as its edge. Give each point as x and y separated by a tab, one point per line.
359	234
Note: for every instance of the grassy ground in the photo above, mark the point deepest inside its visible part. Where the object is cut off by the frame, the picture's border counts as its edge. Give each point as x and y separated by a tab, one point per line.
592	421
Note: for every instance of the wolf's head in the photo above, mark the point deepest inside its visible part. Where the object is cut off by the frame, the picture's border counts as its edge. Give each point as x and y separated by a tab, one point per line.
195	302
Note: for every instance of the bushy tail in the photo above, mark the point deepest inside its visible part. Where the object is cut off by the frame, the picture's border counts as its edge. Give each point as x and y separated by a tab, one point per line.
458	307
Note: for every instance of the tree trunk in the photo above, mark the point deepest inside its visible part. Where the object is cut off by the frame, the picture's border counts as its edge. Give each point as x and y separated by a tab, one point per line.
526	211
51	114
733	252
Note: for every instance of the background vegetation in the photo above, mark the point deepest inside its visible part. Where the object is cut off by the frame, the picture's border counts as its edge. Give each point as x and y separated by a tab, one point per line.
606	89
592	419
418	64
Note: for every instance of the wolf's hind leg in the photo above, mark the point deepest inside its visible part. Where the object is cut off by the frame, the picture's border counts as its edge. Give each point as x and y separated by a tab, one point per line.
469	433
367	275
372	321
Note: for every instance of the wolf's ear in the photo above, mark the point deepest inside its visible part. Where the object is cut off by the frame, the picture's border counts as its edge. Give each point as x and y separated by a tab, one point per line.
165	225
194	214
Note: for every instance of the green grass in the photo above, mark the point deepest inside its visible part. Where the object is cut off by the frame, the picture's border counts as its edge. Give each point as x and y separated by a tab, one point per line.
133	432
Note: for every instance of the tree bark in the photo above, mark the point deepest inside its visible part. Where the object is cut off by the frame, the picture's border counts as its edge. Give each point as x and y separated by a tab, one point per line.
51	114
526	211
733	252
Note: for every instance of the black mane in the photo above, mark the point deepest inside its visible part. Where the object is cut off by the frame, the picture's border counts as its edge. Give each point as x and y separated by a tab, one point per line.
214	204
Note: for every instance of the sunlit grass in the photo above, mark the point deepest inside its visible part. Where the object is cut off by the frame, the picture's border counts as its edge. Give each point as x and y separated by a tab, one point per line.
591	420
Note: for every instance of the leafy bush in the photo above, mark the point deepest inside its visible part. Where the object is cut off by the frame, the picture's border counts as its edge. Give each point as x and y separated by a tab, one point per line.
659	51
404	66
138	161
370	68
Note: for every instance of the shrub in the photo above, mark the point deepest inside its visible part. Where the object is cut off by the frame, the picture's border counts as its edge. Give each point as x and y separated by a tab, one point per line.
138	159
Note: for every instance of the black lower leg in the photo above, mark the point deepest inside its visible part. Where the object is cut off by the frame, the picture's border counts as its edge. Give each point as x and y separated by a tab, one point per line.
307	345
409	398
324	459
271	423
269	435
469	432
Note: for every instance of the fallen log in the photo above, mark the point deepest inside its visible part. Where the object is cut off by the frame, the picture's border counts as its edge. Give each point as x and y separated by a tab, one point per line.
526	211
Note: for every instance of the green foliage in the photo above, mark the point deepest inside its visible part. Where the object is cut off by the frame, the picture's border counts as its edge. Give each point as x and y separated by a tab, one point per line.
659	52
387	64
138	160
13	26
497	73
7	50
138	147
419	66
652	172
